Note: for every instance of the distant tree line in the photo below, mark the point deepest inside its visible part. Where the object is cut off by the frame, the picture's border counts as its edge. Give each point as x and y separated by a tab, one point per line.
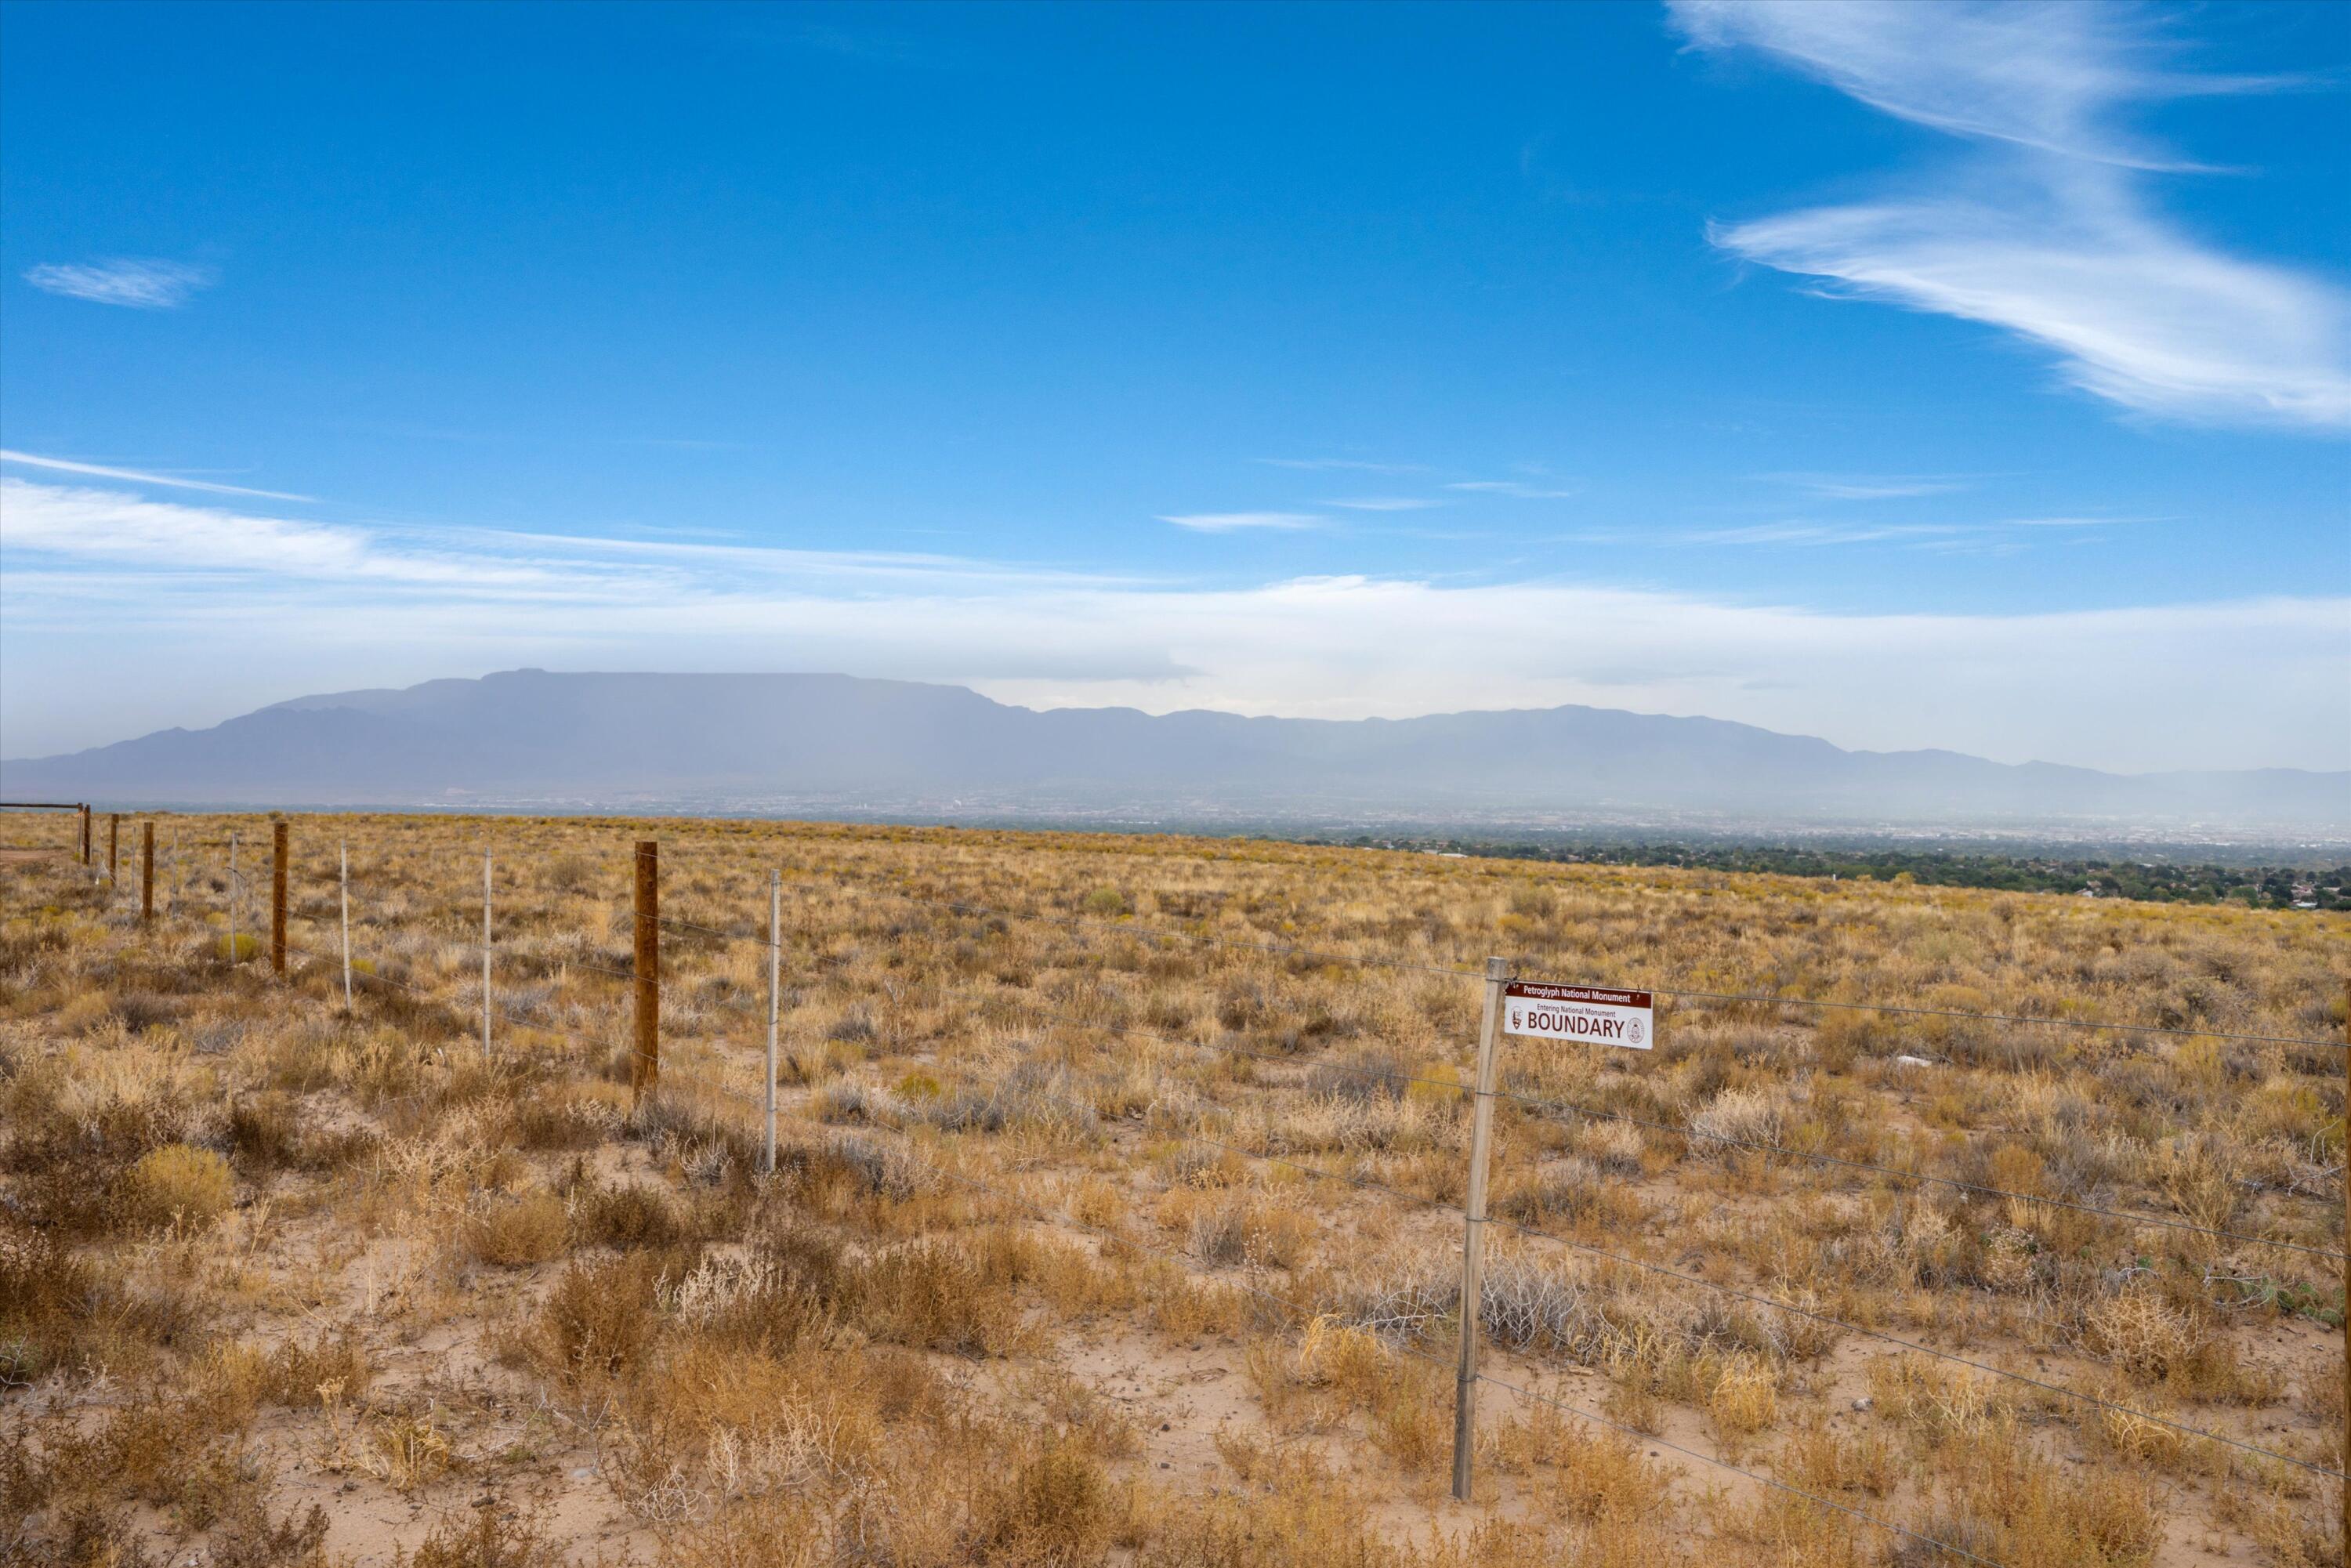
2161	881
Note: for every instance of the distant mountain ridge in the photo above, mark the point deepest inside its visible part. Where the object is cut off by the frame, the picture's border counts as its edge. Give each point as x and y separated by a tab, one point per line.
618	739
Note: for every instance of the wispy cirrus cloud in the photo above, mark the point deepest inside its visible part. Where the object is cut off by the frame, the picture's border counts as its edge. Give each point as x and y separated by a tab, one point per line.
1240	522
140	284
109	591
76	526
1352	465
1520	489
2051	234
138	477
1868	486
1386	503
1811	533
1996	534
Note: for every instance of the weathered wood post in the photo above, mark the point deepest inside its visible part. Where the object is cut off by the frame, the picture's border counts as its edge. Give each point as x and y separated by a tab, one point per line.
146	873
644	1066
113	853
1473	1239
84	813
277	896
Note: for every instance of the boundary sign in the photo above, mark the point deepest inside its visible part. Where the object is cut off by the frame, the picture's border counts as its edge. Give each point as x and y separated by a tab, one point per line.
1588	1013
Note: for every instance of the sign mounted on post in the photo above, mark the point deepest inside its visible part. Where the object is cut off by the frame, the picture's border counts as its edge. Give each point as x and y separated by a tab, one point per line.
1587	1013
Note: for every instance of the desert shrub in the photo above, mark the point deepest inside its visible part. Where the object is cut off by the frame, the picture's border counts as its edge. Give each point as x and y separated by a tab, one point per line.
1220	1234
1615	1148
71	1161
846	1103
519	1232
934	1295
1571	1191
496	1535
296	1371
599	1320
44	1290
86	1534
179	1185
1525	1306
143	1011
1055	1507
1746	1115
854	1027
1744	1398
1360	1078
246	1536
266	1132
626	1215
557	1120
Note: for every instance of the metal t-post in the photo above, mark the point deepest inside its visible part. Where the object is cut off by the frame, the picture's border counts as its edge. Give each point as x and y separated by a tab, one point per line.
232	898
1473	1238
775	976
485	955
344	854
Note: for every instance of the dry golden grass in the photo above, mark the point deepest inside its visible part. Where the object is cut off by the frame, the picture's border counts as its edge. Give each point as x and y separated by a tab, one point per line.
1122	1235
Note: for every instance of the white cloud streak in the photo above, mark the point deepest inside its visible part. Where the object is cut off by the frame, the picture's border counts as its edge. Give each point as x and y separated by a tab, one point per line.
1350	464
1998	533
141	285
1236	522
107	592
1385	504
1868	486
1516	489
137	476
2052	238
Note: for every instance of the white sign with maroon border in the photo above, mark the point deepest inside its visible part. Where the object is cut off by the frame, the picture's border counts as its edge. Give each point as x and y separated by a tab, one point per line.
1587	1013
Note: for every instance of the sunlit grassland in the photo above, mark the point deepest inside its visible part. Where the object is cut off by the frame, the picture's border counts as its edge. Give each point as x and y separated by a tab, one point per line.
1111	1222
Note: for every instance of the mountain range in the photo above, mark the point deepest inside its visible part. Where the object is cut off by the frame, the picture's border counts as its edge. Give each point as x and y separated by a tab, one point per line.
619	740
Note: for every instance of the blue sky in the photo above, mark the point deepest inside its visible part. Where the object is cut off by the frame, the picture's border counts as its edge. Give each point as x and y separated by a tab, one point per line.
1908	375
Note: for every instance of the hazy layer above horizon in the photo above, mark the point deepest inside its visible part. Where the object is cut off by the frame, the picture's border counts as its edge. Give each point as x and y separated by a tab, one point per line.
620	739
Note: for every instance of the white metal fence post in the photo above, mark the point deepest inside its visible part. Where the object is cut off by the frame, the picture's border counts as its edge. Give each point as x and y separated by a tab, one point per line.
486	954
774	973
1473	1239
344	852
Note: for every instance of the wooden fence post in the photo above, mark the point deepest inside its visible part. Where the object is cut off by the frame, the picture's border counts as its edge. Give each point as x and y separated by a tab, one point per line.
113	851
146	873
85	834
644	1065
278	897
1473	1239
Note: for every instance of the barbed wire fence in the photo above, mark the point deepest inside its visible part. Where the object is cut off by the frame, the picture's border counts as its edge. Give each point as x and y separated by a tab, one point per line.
702	1066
